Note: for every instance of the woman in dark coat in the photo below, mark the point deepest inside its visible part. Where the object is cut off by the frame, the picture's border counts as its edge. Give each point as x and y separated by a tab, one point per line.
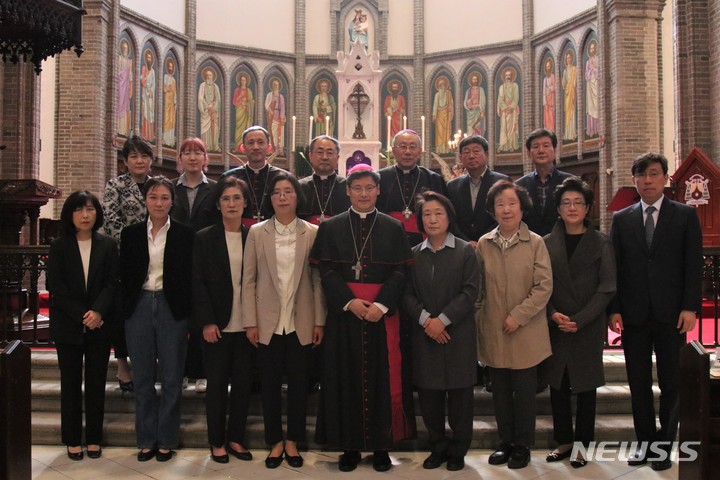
439	301
217	311
583	266
82	279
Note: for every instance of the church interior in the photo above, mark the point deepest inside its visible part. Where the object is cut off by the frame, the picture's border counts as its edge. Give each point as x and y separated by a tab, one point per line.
613	78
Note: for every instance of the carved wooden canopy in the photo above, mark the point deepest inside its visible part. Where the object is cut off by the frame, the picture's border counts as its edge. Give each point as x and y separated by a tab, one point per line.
36	29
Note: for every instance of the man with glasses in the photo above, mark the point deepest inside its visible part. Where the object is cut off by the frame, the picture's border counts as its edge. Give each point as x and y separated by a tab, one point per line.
257	172
366	396
658	250
324	190
469	191
542	182
401	183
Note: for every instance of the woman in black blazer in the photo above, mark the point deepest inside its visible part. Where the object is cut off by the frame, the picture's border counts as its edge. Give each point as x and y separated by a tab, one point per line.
82	280
155	274
217	273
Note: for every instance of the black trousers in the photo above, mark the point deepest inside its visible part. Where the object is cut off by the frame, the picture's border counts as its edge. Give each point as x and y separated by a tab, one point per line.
639	342
231	358
117	340
459	414
514	394
284	354
96	353
561	402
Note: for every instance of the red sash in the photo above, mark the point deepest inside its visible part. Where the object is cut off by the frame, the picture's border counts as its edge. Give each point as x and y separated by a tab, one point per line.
369	291
249	222
409	224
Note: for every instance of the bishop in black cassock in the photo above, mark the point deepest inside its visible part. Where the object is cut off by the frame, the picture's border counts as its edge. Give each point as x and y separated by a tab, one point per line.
366	396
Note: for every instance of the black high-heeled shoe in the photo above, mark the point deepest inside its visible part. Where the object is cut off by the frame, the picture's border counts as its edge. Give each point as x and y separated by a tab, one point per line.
126	387
76	456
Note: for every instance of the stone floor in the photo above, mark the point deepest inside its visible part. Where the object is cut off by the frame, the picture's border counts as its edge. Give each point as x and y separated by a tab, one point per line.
51	463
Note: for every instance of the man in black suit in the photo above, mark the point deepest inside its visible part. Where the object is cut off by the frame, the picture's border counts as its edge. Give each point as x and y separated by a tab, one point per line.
257	172
468	192
658	249
542	182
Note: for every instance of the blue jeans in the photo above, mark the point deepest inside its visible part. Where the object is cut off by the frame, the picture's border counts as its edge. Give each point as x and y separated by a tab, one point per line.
154	335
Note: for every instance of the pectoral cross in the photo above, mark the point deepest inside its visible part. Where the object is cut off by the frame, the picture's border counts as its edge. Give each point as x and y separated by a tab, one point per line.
257	216
407	213
358	269
322	217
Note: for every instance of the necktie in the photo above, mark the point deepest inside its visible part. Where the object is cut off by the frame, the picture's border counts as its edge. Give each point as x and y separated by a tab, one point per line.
649	225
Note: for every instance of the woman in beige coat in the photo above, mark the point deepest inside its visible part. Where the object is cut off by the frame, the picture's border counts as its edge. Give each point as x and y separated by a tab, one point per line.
511	319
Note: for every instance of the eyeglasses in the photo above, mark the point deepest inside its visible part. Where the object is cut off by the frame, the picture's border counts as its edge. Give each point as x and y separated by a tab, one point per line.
651	174
366	188
280	193
568	203
412	148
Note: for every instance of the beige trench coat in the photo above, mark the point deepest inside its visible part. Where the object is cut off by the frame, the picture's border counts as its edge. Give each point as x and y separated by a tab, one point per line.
517	281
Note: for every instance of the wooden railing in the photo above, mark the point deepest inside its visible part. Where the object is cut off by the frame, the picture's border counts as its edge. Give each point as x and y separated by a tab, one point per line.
22	278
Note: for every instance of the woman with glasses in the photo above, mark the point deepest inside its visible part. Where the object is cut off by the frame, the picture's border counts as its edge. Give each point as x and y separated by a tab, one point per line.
283	314
583	266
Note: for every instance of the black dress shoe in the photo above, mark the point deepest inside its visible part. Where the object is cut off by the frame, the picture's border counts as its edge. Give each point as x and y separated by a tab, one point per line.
660	465
349	460
94	453
164	456
76	456
501	455
381	461
244	456
145	456
128	386
295	461
556	456
455	463
579	463
273	462
520	457
637	458
434	460
224	458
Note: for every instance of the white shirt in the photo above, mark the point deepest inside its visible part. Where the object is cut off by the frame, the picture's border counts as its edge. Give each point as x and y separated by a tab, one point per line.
156	253
285	241
85	246
233	240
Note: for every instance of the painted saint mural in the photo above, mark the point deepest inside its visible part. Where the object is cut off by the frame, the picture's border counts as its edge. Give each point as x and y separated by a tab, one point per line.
124	105
209	107
474	103
508	109
148	86
170	81
243	101
549	89
324	107
394	105
442	113
569	86
275	112
592	79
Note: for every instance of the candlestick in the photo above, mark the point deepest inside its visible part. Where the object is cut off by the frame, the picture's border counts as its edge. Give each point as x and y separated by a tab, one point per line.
404	122
327	124
293	134
422	132
310	130
388	133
